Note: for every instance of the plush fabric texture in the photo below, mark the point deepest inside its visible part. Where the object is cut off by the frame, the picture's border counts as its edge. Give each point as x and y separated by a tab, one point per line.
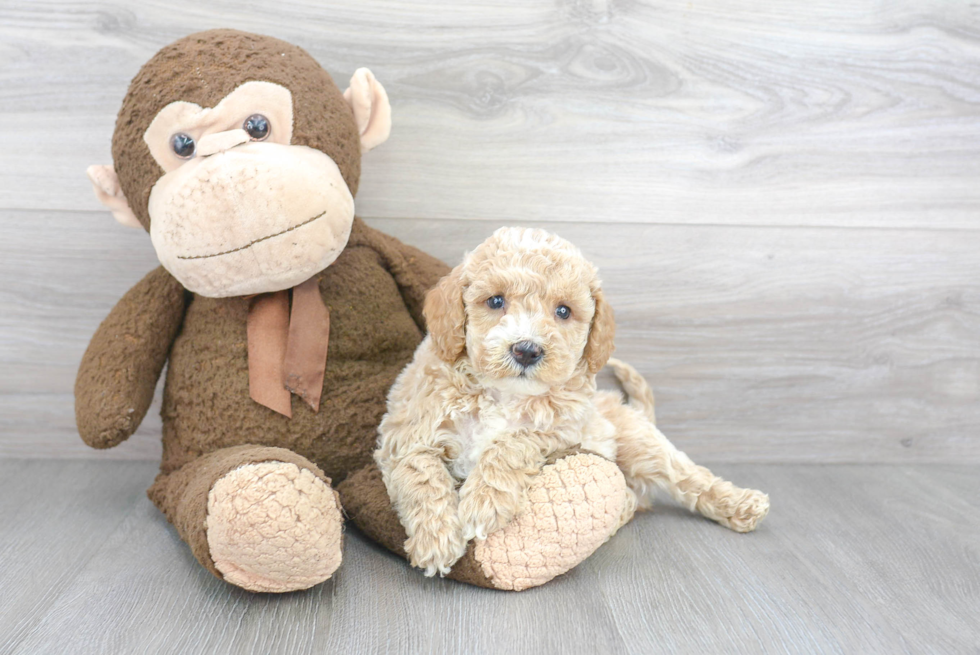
374	292
119	371
238	480
274	527
206	403
365	499
183	495
203	68
260	217
575	505
273	101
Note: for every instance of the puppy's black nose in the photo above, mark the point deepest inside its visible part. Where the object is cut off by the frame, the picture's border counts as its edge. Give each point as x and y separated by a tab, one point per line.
526	353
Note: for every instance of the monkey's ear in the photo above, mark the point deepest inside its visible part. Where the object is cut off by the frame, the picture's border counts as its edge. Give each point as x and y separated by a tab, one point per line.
105	183
368	99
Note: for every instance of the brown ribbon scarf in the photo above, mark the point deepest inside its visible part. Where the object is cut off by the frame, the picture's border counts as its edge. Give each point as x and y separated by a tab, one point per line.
287	349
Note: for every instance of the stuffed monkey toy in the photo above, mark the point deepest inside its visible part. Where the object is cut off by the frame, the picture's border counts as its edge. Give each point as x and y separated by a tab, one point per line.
284	319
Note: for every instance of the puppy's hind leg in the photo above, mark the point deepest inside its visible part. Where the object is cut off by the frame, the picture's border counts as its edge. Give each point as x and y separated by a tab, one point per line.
649	460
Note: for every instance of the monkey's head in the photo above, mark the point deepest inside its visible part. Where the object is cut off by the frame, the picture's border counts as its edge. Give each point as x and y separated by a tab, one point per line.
241	157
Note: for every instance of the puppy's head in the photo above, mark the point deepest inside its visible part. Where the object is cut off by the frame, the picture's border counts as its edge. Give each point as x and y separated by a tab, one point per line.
527	309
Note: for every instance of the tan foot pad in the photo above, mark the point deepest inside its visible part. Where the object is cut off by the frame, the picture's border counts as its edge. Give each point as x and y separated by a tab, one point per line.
274	527
574	506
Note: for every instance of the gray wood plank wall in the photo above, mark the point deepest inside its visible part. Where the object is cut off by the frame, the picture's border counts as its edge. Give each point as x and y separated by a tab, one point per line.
783	197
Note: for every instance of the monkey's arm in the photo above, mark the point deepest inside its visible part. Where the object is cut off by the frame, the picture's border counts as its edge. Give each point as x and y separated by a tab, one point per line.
122	364
414	271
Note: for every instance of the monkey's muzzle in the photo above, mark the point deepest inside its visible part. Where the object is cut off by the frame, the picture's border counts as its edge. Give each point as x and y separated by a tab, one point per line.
256	218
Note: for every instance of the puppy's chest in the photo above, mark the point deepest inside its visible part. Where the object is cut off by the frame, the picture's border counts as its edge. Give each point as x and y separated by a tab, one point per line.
476	429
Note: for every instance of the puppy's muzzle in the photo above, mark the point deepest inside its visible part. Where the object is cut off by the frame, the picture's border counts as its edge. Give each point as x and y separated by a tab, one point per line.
526	353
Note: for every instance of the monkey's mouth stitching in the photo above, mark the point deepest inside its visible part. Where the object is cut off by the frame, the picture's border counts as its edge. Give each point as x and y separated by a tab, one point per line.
252	243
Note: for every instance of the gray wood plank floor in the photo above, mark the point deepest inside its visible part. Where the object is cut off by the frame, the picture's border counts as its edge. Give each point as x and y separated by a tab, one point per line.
852	559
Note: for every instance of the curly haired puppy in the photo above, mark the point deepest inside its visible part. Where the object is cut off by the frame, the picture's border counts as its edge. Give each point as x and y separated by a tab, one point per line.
505	378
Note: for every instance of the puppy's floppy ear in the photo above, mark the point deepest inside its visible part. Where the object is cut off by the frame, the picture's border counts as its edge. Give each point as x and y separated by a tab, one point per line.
445	316
601	335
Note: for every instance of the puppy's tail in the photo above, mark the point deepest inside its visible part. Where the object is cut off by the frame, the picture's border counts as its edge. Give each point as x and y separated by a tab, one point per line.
638	392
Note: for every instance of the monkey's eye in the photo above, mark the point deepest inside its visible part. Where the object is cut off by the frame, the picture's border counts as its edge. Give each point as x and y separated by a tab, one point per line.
257	126
182	145
495	302
563	312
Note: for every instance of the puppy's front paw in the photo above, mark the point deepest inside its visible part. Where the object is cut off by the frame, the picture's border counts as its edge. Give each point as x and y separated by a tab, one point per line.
484	509
436	545
751	509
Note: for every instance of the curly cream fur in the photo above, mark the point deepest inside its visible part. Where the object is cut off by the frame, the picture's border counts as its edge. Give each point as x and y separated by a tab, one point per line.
637	390
466	411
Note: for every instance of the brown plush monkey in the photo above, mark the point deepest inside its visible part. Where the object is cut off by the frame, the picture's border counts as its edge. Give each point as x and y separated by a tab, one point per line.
284	318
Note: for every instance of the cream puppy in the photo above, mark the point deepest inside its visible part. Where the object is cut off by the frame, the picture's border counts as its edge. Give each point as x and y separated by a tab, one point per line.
506	378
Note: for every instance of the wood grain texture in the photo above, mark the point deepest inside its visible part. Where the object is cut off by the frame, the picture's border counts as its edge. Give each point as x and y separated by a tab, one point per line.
783	200
54	517
852	559
782	197
761	344
759	113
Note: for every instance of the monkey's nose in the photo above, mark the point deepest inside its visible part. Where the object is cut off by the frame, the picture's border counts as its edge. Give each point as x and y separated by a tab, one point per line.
211	144
526	353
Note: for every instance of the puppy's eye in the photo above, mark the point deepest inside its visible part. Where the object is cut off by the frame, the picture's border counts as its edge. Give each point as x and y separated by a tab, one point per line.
257	126
563	312
182	145
495	302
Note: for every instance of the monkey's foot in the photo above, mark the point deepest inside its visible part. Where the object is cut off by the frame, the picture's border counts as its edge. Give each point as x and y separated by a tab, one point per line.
574	506
274	527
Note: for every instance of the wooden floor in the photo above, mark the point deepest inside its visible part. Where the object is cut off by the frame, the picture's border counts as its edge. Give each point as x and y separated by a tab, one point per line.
852	559
783	199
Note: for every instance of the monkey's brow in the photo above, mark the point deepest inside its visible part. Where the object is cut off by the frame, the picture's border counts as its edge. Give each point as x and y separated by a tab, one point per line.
252	243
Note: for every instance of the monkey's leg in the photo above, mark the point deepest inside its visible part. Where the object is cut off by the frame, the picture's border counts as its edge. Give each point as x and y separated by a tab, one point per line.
261	518
575	504
649	460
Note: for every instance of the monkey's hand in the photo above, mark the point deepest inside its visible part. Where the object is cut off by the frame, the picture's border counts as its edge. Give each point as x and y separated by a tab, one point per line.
122	364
